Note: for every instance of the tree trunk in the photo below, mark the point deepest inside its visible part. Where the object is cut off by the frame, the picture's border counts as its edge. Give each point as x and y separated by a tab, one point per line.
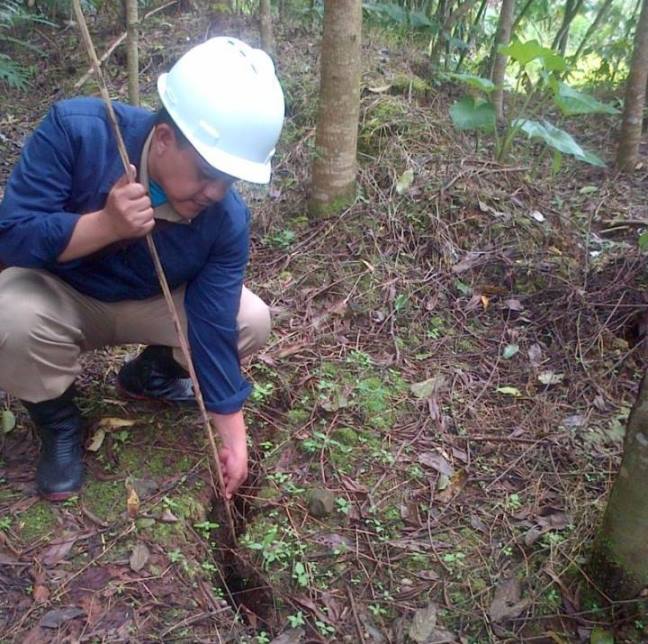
265	27
571	11
592	28
334	167
464	7
635	94
132	38
521	15
619	563
471	33
502	37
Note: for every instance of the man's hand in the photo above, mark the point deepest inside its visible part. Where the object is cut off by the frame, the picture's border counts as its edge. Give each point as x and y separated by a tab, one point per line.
126	215
128	209
233	450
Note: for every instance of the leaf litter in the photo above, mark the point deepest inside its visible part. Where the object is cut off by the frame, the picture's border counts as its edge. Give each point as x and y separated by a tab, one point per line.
370	304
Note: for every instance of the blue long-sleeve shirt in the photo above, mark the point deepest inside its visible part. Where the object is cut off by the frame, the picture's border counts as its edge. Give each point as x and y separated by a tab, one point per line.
67	168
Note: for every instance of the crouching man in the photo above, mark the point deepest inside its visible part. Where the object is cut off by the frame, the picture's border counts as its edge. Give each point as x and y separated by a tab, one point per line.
79	273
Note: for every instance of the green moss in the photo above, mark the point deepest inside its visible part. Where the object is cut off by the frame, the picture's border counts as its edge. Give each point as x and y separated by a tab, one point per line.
298	416
267	493
346	436
37	522
167	533
333	206
406	84
137	460
105	499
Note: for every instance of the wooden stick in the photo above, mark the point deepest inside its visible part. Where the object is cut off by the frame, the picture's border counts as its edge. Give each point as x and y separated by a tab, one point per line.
184	345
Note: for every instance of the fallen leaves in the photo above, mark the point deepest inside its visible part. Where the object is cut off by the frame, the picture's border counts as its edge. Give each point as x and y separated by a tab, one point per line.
105	426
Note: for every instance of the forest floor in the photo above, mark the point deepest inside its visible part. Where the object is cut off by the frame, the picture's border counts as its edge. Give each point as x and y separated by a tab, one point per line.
435	423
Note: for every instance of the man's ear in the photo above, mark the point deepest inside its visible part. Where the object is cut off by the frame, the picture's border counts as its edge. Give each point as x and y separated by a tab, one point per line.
163	138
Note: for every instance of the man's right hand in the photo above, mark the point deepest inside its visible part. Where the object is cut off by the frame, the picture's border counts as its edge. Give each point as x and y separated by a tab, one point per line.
128	211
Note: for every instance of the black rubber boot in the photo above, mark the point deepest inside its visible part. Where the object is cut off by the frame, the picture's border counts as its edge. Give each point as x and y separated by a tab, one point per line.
155	375
59	474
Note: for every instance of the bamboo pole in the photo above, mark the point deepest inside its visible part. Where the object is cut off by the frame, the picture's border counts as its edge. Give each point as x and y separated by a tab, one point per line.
184	345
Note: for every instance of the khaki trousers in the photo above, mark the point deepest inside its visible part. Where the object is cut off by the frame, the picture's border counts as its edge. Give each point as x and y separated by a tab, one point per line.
45	325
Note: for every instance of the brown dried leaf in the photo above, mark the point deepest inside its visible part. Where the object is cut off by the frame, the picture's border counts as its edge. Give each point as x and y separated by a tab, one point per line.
96	441
58	616
506	602
139	557
423	623
113	424
132	503
41	594
470	260
168	517
555	520
437	462
291	350
455	485
57	551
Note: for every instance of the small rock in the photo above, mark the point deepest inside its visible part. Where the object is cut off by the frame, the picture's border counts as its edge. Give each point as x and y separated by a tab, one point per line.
321	503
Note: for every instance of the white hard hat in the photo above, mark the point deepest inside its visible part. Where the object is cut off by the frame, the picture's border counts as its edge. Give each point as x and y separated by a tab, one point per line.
226	99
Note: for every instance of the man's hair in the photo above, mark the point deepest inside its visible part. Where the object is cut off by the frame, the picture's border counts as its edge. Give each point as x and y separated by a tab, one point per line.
163	116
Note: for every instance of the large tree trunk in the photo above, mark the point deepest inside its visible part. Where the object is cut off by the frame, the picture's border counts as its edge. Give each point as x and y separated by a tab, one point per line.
619	564
502	37
265	27
132	38
334	166
635	94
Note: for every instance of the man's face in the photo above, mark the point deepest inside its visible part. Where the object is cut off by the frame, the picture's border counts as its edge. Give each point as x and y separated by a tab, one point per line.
190	183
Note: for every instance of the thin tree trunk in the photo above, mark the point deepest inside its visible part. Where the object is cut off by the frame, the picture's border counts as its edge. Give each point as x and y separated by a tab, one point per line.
592	28
619	563
521	15
132	41
502	37
630	23
448	23
334	167
635	95
471	34
265	27
571	11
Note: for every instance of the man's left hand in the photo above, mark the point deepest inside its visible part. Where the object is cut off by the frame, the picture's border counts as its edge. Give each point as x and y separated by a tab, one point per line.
233	451
234	465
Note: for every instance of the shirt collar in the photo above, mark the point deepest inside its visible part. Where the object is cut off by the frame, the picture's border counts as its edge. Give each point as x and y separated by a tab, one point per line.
165	210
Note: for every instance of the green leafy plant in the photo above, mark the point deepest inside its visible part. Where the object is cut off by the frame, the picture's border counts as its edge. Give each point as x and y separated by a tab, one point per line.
538	84
296	619
343	505
283	239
